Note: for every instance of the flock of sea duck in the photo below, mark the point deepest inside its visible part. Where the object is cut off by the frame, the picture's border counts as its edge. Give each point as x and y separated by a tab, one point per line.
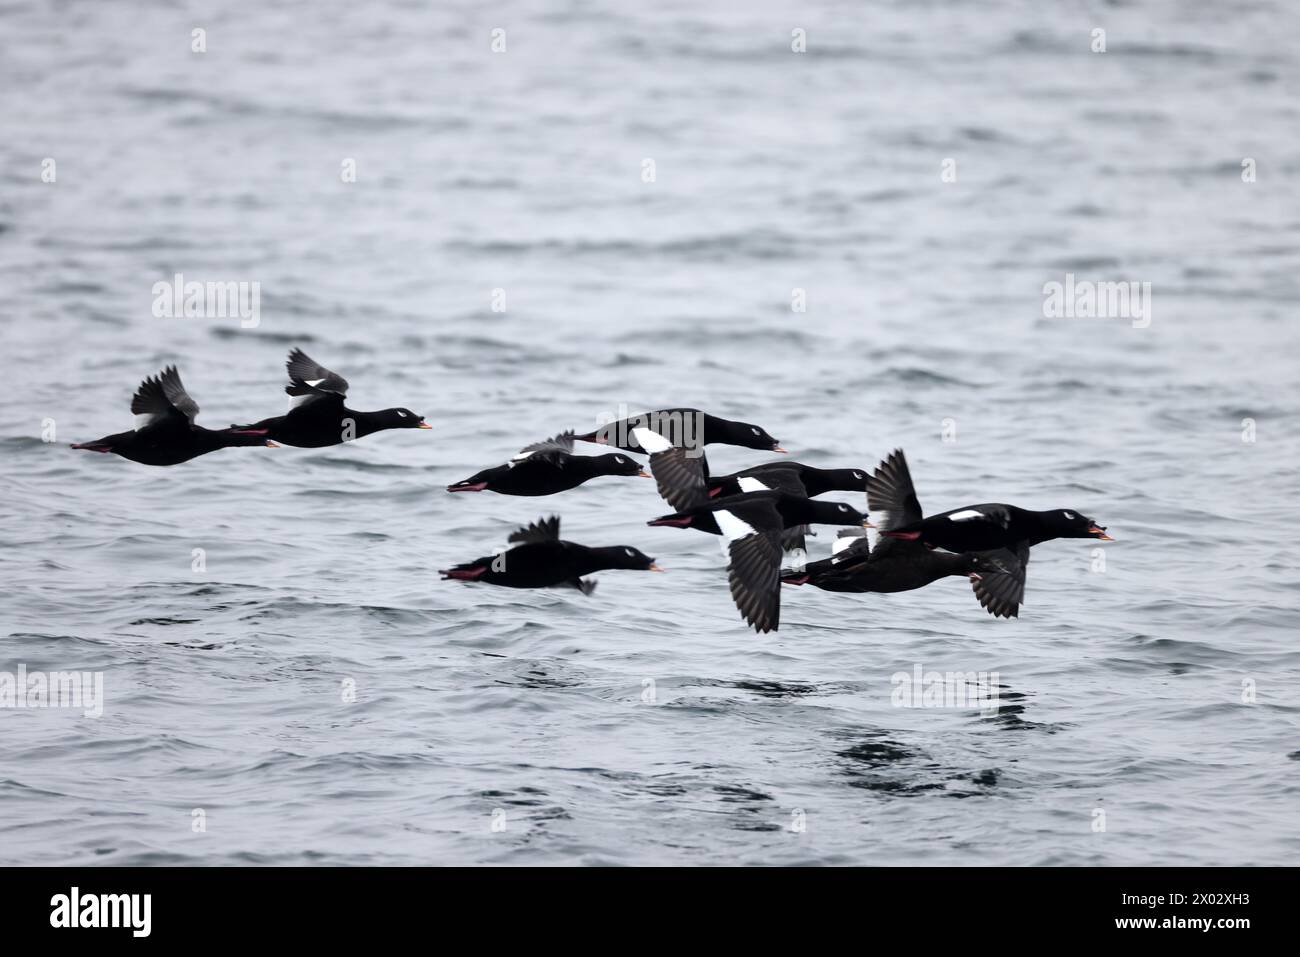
761	512
165	432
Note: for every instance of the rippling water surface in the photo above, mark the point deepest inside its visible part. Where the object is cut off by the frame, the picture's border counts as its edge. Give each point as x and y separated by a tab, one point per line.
646	724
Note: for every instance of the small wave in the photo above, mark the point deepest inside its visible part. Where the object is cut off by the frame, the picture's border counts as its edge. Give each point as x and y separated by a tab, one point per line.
916	376
760	244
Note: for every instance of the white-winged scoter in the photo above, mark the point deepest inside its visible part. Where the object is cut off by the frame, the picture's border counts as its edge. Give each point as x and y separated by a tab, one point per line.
683	428
541	560
165	432
809	480
317	416
548	467
979	528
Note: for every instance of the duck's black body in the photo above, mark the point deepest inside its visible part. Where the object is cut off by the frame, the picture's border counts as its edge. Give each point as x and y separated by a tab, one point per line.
791	477
166	433
317	414
997	577
756	509
171	444
330	422
541	560
894	566
979	528
682	428
545	468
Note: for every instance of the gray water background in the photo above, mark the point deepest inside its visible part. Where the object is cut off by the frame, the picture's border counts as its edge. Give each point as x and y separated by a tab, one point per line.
1122	690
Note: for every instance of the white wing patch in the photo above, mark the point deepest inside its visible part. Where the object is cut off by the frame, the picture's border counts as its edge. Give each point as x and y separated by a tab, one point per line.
297	400
843	542
969	515
520	457
651	441
748	483
731	527
313	382
145	419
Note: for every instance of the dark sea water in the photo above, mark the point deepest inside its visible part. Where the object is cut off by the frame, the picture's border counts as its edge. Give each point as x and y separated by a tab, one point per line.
646	724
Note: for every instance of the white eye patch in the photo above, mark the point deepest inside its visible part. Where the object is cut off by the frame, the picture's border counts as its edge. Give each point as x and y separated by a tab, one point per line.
401	413
1068	515
618	459
629	552
754	430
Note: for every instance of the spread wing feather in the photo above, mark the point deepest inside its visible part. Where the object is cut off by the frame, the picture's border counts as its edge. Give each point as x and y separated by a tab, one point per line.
754	574
542	530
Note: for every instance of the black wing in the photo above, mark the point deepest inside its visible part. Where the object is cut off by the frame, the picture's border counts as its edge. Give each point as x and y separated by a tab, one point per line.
891	499
681	478
1001	590
161	396
551	448
755	577
542	530
892	502
308	377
